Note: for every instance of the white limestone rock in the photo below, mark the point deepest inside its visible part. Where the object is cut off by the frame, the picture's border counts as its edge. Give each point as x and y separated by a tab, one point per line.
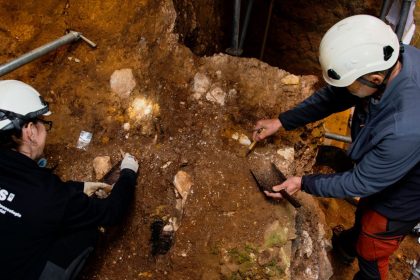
216	95
101	165
290	80
123	82
201	85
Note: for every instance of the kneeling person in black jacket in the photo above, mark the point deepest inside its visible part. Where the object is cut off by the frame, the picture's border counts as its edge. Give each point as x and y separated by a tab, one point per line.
47	227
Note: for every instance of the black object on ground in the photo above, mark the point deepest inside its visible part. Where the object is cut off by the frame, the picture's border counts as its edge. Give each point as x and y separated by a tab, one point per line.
161	240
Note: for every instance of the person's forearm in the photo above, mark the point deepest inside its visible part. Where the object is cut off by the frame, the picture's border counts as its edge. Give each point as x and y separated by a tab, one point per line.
321	104
119	199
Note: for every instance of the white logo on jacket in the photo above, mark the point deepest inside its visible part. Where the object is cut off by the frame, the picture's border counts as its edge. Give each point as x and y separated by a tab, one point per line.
9	196
5	195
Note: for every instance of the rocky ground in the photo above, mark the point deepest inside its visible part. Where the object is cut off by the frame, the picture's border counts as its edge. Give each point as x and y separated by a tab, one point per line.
188	119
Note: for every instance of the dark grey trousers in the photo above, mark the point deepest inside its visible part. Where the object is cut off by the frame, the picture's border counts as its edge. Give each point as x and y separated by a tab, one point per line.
68	255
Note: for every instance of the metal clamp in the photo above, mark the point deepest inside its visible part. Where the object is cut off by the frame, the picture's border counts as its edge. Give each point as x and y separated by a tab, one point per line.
70	37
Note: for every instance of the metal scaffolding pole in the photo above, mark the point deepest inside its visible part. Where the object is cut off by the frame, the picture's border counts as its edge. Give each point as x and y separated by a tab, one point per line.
38	52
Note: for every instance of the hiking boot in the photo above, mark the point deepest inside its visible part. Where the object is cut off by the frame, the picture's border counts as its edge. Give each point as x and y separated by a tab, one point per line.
339	245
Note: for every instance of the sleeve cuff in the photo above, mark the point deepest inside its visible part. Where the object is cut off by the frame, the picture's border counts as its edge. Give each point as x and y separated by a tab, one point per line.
76	185
283	117
302	184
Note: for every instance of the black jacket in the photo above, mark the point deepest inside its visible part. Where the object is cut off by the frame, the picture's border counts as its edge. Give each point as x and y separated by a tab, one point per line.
36	206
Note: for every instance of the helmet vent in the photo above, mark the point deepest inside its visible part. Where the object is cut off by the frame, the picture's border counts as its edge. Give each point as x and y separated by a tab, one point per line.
388	50
333	75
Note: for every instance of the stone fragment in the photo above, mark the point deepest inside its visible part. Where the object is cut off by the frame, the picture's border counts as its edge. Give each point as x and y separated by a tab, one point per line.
244	140
142	112
325	267
183	183
232	93
122	82
201	85
166	164
307	245
311	273
126	126
216	95
101	165
290	80
287	153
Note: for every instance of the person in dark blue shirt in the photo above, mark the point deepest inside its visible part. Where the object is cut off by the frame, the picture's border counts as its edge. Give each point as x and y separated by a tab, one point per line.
365	67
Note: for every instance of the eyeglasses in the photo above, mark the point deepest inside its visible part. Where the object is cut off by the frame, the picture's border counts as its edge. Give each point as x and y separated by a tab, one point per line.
47	124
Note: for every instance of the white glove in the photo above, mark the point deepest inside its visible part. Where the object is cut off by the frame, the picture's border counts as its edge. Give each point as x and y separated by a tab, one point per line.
129	162
101	190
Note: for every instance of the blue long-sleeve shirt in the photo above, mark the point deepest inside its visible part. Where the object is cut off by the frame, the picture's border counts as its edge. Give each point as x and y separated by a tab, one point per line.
386	149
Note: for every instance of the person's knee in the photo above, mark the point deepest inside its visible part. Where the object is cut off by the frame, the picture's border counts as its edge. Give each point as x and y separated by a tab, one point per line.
69	247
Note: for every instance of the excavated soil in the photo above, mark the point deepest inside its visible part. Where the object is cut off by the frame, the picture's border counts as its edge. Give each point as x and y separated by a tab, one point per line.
225	213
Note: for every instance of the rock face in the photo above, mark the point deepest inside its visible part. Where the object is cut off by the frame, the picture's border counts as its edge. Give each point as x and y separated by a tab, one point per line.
296	28
312	243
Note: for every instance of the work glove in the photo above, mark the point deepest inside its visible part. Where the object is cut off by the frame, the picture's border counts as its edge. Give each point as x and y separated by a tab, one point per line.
101	190
129	162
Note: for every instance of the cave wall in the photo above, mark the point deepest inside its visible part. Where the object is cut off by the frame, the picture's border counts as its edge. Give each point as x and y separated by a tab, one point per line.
201	24
296	28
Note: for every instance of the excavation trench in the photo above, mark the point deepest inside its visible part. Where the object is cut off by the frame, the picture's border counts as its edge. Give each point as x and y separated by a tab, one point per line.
189	111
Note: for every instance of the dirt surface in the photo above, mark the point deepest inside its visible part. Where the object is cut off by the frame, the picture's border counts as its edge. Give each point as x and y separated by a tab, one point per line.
225	228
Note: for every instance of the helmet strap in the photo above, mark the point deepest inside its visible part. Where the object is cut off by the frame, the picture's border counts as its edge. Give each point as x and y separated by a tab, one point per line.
17	120
368	83
381	87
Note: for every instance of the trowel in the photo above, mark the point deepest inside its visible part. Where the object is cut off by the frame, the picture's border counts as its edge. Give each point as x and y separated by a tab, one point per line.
269	177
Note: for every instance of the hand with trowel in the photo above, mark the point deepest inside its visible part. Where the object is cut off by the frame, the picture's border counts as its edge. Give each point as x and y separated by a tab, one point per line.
263	129
385	135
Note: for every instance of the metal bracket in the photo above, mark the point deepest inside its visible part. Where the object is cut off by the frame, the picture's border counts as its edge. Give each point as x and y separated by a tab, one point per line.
70	37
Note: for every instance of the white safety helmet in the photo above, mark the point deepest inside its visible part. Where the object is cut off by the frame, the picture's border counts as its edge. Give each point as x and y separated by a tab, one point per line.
356	46
19	103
